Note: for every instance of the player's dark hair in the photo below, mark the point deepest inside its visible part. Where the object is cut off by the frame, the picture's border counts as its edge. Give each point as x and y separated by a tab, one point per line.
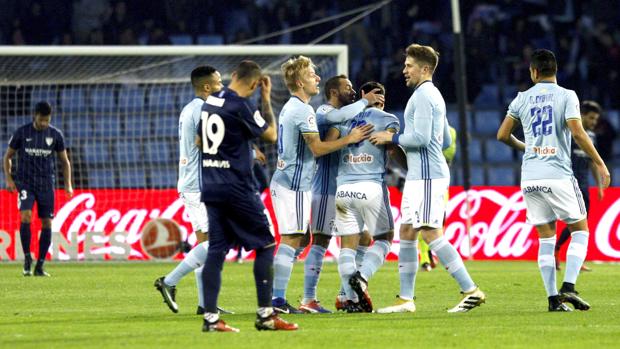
544	62
43	108
333	83
371	85
590	106
248	71
200	73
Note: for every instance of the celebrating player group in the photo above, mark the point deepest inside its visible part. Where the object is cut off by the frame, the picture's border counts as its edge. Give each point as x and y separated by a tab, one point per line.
329	182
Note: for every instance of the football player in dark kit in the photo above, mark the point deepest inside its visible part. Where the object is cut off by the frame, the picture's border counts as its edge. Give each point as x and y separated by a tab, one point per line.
228	124
35	143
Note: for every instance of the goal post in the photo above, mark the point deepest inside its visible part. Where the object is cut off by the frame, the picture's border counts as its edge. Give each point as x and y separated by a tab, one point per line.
118	107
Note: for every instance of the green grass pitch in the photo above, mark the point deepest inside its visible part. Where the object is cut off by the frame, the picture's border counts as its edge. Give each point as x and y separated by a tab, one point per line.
114	305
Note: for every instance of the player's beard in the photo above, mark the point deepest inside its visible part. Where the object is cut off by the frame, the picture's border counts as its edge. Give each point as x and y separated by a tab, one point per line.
345	99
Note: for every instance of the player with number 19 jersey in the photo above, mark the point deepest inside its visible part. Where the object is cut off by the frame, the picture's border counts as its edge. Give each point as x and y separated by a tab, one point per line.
227	125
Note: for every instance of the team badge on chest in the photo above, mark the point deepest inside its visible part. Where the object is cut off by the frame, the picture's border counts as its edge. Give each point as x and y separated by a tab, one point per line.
49	141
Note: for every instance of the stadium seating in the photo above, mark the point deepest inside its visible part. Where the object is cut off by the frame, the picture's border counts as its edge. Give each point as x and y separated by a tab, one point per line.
161	98
501	175
487	122
77	127
167	126
496	152
95	152
132	177
43	93
108	126
164	177
182	39
158	152
131	98
185	96
127	152
103	100
210	39
73	99
137	125
101	178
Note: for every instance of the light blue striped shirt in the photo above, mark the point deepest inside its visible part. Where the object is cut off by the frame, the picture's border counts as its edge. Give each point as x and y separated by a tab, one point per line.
324	181
295	167
189	154
543	110
364	161
426	133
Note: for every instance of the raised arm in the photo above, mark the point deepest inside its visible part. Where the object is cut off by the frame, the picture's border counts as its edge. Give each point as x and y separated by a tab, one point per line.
66	172
504	134
271	133
585	143
6	165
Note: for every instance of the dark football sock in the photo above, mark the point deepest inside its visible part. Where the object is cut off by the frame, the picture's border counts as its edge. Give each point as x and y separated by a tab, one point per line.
44	244
25	236
263	275
212	279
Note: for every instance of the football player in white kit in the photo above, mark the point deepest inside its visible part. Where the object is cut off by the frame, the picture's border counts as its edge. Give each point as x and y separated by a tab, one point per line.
549	114
205	81
362	199
298	144
340	106
426	133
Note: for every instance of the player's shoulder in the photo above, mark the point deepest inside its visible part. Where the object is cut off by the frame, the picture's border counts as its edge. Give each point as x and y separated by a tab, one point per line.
324	109
195	103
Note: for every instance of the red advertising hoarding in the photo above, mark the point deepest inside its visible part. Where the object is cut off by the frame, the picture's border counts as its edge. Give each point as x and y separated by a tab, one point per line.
108	224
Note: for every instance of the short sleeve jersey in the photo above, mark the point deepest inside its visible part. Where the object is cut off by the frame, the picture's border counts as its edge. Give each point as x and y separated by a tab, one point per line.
543	111
364	161
35	153
227	125
189	154
295	167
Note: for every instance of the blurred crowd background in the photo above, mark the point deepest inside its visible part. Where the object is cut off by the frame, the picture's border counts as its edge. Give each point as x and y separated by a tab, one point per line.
499	37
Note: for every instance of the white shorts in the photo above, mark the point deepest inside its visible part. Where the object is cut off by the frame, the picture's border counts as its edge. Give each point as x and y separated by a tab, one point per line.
292	209
196	211
548	200
323	214
424	202
363	203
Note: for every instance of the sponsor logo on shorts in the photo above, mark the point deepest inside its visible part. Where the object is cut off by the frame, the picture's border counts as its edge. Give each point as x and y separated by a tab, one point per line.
537	189
362	158
545	151
351	194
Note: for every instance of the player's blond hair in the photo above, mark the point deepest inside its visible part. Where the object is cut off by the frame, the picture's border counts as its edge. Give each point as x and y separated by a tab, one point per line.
424	55
292	70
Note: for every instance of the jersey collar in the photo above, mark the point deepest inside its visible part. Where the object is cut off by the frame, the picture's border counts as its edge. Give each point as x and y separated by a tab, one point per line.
422	83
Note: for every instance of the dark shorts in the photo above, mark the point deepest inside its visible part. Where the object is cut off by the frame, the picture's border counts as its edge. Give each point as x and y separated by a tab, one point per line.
27	194
240	220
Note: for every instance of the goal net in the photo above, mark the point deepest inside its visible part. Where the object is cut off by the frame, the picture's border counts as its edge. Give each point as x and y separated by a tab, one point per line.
118	108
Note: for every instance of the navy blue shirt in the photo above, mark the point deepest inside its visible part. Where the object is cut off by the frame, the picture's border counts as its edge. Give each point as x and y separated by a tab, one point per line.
35	153
581	162
227	125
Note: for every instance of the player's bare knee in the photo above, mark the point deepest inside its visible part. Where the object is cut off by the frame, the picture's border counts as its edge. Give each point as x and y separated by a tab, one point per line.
26	216
430	234
365	239
408	233
201	237
581	225
293	240
389	236
321	240
350	241
46	223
